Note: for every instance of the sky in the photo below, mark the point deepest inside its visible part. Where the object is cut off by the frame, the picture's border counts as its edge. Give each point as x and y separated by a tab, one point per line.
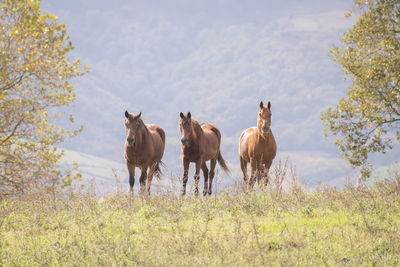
217	59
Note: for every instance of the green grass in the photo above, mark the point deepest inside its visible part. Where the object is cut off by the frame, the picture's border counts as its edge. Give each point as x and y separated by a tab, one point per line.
352	227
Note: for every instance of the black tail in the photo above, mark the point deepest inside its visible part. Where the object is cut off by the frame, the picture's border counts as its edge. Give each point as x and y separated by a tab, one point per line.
158	172
222	163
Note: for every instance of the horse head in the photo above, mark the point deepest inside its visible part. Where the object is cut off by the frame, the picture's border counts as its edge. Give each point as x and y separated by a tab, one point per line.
264	118
185	124
132	123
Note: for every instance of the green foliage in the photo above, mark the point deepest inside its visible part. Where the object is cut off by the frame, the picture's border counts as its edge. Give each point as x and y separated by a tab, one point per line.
34	79
368	118
357	227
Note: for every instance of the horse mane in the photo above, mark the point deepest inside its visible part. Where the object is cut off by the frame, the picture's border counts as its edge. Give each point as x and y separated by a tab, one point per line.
142	124
197	128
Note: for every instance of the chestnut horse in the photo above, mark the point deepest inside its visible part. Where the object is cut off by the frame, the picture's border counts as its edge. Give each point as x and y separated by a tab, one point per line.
200	143
257	145
144	148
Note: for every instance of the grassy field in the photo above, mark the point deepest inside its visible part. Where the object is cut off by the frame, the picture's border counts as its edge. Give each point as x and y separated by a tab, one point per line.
352	227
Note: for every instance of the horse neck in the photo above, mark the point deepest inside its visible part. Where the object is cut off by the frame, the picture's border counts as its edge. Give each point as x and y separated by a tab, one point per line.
195	127
259	125
260	137
143	134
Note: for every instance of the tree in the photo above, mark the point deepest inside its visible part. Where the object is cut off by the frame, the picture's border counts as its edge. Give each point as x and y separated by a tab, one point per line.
34	80
368	119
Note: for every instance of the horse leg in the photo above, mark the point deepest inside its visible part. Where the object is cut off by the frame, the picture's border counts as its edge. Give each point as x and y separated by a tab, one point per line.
131	170
185	175
142	179
150	178
213	163
197	177
266	172
253	170
260	174
243	166
205	174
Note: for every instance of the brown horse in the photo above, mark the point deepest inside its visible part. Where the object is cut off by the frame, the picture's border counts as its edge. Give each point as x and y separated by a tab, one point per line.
200	143
144	148
257	145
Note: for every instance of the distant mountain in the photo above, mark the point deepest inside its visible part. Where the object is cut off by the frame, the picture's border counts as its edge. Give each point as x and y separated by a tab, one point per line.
216	59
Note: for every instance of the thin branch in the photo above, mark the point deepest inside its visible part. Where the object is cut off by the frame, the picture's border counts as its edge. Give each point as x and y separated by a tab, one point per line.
14	83
381	123
13	131
388	102
9	180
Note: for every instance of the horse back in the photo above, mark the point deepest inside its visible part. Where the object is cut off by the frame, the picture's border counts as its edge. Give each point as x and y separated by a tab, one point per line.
158	136
212	138
158	130
211	131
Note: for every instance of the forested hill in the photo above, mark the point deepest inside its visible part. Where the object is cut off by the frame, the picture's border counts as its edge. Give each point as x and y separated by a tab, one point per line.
214	61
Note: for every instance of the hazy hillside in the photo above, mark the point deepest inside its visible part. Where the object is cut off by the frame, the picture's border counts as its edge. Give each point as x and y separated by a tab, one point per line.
108	175
215	59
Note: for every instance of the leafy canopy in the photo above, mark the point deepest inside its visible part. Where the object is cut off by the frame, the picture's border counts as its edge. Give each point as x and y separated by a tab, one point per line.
368	119
34	79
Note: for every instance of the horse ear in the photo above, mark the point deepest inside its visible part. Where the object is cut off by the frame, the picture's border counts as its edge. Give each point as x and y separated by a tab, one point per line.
140	114
189	115
182	116
261	104
269	105
126	114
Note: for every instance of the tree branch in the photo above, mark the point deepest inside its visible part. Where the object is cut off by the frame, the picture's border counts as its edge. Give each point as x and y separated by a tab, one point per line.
12	84
13	131
381	123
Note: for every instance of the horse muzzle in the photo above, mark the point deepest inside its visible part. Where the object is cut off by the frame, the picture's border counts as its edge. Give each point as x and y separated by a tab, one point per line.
130	140
265	130
184	141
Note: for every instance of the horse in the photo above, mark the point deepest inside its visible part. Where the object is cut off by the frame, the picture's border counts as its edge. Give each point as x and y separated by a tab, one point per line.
144	148
257	145
200	143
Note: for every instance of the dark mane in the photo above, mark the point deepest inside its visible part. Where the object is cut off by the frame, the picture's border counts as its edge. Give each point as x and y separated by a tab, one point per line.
143	125
197	128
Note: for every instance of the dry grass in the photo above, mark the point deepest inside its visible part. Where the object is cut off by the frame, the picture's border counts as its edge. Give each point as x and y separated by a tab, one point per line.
356	226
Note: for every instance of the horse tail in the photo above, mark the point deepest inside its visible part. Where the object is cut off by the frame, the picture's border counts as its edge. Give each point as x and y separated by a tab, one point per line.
220	159
217	133
158	172
222	163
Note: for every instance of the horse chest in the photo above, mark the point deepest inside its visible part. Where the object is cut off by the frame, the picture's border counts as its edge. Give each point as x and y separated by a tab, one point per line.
261	148
191	152
133	157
